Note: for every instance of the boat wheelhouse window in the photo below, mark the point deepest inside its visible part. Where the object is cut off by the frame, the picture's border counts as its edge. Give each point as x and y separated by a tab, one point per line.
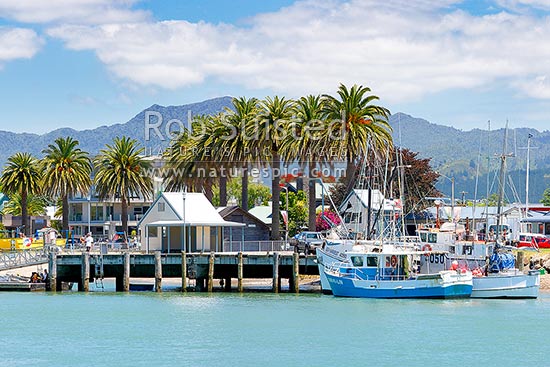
452	249
372	261
423	236
432	237
357	260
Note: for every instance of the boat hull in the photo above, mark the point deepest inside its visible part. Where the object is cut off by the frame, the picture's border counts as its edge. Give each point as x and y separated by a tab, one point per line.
507	286
425	288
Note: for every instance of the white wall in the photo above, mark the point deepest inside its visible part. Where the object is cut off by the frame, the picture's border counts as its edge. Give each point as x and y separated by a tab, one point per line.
153	215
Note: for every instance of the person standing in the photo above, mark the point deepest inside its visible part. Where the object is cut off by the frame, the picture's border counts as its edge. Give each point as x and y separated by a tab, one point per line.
89	241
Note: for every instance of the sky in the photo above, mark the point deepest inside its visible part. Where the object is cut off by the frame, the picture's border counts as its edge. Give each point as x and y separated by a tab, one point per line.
87	63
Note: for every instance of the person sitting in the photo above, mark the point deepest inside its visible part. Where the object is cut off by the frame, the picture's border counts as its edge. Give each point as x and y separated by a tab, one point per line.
34	278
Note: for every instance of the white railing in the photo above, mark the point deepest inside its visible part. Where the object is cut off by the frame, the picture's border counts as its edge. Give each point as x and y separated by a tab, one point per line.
19	259
255	246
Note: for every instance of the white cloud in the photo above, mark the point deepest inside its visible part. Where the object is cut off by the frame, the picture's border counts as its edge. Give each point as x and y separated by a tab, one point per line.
537	87
518	5
18	43
402	52
71	11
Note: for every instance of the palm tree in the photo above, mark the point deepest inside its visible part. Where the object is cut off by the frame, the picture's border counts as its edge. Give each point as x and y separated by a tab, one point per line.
238	147
67	172
121	171
192	157
36	205
363	123
22	176
308	144
272	117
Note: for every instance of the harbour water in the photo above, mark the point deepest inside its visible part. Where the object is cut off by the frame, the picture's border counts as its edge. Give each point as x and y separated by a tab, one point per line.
263	329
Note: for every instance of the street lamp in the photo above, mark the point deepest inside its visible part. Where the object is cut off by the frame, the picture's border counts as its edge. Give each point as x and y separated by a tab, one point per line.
284	187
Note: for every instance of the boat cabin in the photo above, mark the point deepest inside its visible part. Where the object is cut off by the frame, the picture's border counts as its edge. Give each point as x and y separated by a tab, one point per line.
380	266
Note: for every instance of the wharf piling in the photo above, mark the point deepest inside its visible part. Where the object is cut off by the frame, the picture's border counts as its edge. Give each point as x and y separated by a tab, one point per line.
183	271
295	280
126	276
240	272
276	279
52	271
211	272
158	272
85	272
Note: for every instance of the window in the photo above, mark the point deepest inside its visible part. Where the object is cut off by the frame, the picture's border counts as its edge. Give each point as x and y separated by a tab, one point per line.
372	261
153	231
357	260
161	207
432	237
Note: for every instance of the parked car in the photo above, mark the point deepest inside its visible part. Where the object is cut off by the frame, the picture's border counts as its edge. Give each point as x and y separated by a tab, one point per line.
307	242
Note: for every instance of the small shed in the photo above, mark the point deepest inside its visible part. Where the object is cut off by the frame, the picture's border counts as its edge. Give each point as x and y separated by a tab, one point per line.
254	229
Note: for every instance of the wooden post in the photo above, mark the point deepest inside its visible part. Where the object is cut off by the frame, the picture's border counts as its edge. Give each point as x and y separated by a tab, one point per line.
211	272
295	272
158	272
275	272
240	272
85	271
183	271
520	260
126	276
52	270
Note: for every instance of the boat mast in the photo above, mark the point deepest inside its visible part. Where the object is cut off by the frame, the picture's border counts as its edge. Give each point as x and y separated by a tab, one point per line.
487	194
501	180
527	177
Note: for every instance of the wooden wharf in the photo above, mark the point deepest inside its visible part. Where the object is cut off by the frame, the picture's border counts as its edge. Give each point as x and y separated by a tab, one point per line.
201	268
22	287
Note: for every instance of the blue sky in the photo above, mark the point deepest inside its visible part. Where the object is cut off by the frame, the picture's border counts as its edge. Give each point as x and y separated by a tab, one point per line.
86	63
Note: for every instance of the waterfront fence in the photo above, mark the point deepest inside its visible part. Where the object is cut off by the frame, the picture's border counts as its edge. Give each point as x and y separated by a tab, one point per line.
255	246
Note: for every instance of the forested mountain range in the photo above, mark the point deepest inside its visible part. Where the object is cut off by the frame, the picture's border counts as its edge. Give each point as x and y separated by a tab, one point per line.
453	152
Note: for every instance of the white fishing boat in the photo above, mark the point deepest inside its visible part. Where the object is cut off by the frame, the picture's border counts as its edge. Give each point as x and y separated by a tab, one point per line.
503	280
394	273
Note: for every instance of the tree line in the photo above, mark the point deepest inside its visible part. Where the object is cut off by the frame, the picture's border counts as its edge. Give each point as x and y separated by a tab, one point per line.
312	132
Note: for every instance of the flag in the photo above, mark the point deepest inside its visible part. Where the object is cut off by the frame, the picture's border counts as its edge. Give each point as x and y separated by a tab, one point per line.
284	214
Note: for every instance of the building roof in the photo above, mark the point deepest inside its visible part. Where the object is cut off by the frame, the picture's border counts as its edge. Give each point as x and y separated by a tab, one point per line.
198	211
226	211
377	198
263	213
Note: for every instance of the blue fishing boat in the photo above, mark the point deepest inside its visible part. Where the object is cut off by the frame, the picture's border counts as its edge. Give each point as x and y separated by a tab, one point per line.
394	274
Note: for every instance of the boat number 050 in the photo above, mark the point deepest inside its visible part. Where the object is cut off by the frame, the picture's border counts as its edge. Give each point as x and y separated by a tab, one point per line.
437	259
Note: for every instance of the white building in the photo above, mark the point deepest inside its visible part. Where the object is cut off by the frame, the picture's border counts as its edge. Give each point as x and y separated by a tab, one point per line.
104	218
179	221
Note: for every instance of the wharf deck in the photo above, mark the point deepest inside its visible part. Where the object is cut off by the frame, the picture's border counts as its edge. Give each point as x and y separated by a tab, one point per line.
202	267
